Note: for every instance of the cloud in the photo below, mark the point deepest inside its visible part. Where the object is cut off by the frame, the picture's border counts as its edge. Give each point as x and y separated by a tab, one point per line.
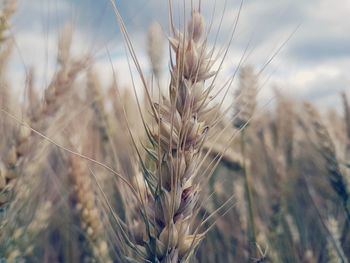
313	63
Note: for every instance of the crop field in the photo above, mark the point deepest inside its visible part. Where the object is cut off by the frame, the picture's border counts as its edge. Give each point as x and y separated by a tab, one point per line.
171	132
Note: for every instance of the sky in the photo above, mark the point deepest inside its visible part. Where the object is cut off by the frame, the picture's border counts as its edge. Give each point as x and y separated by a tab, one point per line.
312	64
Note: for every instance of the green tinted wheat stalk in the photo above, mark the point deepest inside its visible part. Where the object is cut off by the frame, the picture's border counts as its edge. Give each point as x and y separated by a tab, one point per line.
282	231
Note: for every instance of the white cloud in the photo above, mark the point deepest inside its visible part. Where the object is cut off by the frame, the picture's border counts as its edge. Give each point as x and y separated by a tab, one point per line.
313	64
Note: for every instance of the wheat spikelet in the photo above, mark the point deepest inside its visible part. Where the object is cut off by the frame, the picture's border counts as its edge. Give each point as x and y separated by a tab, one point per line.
245	97
155	48
280	224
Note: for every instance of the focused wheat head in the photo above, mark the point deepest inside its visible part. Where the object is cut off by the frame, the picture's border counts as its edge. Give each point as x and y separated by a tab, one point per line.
168	231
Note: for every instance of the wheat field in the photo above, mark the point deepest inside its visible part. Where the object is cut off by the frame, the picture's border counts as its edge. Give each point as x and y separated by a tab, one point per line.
174	164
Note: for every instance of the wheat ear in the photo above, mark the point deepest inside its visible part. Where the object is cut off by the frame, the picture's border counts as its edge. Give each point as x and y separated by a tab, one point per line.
178	136
90	217
326	147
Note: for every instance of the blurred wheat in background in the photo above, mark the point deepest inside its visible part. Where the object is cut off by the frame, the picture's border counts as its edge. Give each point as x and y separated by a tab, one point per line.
174	167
